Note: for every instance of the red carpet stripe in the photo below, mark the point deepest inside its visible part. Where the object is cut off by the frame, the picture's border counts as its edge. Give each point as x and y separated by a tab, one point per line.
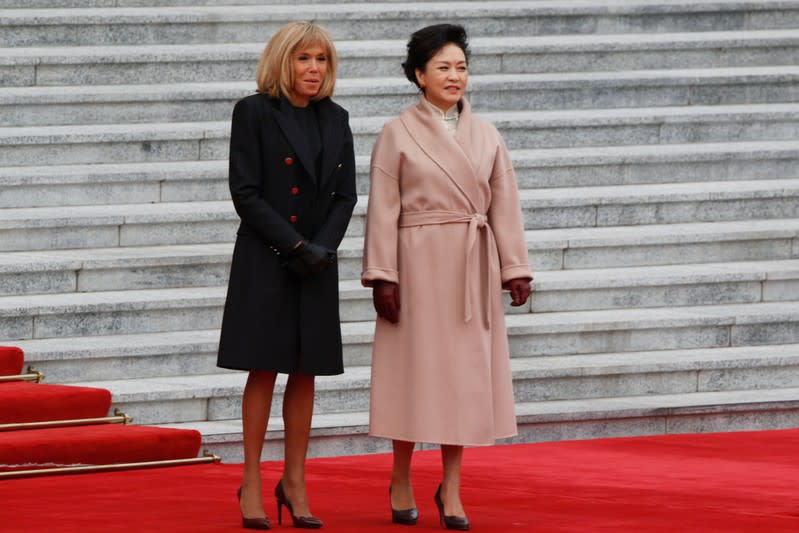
724	482
11	360
22	401
44	448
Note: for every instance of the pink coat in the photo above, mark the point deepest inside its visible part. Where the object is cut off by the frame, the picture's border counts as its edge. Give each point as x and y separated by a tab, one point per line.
444	221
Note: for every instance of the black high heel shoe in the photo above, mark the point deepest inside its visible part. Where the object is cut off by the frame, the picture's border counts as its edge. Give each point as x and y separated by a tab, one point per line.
252	523
459	523
301	522
406	517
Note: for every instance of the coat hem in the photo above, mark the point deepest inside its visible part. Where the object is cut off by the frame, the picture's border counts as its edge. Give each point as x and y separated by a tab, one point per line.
282	371
442	441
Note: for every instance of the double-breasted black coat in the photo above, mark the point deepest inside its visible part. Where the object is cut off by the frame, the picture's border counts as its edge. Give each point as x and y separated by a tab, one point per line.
272	320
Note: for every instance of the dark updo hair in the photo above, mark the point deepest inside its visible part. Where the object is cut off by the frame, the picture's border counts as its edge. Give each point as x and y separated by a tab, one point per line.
426	43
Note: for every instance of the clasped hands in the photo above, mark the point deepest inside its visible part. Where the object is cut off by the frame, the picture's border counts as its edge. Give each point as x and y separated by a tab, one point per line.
308	258
386	297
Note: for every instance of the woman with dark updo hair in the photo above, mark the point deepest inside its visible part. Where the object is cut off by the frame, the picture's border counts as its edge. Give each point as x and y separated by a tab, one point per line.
444	236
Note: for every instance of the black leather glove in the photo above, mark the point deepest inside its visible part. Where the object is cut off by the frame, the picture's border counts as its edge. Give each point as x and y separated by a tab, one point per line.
385	296
308	259
519	291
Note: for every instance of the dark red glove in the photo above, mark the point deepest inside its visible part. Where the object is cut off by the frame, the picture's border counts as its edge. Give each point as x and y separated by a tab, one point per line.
519	291
385	295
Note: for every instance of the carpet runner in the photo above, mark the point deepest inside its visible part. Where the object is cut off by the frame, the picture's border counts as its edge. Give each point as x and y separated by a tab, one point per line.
11	360
85	443
722	482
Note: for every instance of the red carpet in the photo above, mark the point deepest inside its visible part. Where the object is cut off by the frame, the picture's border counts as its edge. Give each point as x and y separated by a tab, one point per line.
688	483
93	445
23	449
24	401
11	360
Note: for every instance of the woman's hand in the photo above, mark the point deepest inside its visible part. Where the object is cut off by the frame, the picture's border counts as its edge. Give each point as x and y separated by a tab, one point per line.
385	295
519	291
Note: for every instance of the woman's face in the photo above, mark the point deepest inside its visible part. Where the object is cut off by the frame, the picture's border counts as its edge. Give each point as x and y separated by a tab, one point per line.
310	68
444	78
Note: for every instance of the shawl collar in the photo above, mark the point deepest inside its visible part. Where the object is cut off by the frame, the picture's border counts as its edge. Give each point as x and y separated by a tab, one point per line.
451	155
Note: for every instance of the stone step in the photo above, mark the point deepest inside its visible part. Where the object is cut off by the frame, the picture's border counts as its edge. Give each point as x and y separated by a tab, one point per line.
161	310
113	269
340	434
109	104
144	355
226	62
235	23
666	244
625	330
191	141
670	163
176	266
63	185
633	205
628	288
206	266
218	396
52	4
229	24
117	356
103	226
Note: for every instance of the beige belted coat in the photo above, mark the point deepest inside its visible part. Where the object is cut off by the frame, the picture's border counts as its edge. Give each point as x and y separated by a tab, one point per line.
444	221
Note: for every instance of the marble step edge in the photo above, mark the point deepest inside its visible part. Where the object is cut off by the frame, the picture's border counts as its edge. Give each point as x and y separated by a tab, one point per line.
346	49
104	133
392	86
357	12
146	345
352	247
531	199
553	411
349	290
226	384
519	323
530	158
375	10
539	240
12	263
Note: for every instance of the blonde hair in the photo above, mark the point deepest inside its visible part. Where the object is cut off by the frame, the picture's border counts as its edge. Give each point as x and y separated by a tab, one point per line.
275	72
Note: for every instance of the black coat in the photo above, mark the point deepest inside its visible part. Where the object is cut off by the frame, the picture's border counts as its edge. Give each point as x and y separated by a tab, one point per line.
272	320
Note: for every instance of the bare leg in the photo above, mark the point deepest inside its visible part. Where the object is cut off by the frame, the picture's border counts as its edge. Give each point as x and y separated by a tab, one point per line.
401	489
297	414
255	408
451	458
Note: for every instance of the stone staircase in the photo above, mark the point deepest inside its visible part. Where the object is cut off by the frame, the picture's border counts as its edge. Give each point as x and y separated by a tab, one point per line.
656	145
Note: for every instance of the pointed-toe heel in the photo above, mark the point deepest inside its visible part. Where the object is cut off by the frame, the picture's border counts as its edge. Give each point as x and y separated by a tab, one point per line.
300	522
252	523
458	523
406	517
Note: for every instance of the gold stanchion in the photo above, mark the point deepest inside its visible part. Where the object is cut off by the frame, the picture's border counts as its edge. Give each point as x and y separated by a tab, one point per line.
85	469
31	375
118	418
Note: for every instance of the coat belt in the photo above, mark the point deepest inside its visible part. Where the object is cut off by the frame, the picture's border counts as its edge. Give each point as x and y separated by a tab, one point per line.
478	224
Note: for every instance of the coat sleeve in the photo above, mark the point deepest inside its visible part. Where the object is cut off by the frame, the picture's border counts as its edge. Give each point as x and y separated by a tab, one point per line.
245	177
382	217
505	217
344	197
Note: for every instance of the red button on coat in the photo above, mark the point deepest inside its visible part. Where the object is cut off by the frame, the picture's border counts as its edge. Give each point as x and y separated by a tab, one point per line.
288	161
295	191
293	219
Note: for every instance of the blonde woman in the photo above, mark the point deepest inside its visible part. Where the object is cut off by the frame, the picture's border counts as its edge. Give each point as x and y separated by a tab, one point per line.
292	181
